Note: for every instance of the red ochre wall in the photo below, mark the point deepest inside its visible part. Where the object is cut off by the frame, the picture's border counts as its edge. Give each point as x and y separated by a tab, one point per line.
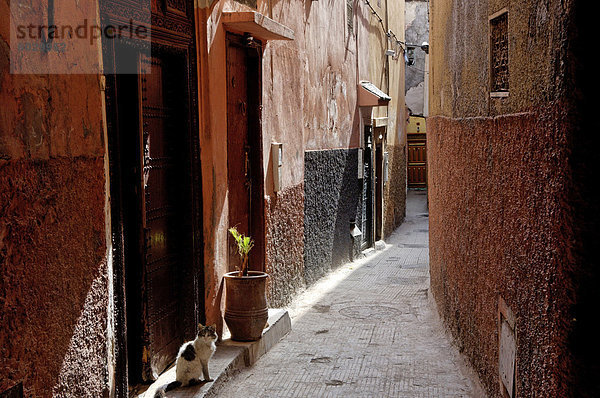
53	270
513	208
499	227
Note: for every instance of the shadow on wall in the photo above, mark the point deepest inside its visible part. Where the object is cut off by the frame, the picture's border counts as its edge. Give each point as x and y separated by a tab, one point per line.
53	283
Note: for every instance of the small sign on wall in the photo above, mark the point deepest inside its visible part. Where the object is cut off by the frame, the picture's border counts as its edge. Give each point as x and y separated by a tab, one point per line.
507	349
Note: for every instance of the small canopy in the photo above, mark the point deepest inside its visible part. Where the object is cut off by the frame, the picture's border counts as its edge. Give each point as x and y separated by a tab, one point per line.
256	24
370	95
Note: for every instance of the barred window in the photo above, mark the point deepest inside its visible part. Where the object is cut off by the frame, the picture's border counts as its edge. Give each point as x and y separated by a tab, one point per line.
499	53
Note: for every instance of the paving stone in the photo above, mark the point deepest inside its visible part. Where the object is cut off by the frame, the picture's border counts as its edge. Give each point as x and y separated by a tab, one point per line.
367	329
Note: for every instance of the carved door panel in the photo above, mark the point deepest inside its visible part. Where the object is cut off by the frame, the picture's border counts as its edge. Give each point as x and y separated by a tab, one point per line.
165	211
155	186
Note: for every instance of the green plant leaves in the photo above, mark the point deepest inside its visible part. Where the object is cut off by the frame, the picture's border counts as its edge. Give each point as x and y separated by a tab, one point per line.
245	243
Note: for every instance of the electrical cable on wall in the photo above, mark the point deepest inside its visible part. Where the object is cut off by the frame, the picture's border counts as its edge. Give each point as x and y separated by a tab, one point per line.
390	35
394	39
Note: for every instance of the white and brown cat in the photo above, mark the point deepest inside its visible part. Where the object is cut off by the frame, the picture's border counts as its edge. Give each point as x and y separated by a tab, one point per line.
192	360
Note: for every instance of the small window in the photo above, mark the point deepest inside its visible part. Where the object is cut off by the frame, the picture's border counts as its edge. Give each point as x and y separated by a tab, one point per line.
499	54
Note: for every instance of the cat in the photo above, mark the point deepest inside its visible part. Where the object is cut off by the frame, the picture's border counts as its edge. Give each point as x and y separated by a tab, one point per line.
192	360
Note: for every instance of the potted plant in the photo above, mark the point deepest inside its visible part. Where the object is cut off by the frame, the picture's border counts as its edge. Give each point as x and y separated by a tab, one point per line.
246	311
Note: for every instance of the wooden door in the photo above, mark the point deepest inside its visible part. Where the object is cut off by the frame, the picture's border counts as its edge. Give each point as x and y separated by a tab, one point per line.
155	190
244	148
166	211
417	160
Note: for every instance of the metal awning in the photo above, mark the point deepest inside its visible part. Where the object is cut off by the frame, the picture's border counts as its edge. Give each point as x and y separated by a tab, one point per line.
256	24
370	95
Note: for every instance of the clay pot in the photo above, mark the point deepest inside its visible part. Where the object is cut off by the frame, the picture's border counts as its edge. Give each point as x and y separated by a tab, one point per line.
246	311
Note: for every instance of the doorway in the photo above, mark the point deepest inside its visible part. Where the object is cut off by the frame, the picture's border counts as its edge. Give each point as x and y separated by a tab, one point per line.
244	147
367	191
417	153
156	209
379	137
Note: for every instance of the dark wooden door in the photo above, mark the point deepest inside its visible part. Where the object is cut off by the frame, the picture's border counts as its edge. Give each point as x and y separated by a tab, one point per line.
244	148
155	189
166	211
417	161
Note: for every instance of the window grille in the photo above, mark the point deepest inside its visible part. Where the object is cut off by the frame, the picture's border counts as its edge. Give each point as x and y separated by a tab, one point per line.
499	53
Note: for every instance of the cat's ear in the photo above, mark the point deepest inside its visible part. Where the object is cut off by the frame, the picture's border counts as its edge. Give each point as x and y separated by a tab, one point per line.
200	326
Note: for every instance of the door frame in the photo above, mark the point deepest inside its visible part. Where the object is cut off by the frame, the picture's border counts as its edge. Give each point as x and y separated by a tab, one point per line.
368	198
379	156
254	88
122	373
414	141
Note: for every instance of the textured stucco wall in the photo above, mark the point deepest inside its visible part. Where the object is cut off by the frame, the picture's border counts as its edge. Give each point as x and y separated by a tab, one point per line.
53	266
499	228
505	194
389	73
394	190
53	288
332	198
284	244
459	70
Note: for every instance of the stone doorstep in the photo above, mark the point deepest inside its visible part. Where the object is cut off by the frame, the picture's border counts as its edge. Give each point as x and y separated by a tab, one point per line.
230	357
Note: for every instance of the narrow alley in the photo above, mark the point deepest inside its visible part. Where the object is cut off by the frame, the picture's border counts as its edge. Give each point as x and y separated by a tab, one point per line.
366	329
299	198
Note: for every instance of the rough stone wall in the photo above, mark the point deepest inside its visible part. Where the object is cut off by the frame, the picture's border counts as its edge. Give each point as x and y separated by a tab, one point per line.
332	194
509	194
284	244
53	268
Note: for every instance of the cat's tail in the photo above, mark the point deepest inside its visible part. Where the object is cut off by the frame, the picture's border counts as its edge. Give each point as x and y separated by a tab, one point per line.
160	393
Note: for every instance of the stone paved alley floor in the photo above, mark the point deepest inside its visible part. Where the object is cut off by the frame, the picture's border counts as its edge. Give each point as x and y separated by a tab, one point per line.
367	329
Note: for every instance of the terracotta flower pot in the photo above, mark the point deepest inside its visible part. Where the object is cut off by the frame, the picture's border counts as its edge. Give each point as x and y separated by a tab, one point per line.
246	311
